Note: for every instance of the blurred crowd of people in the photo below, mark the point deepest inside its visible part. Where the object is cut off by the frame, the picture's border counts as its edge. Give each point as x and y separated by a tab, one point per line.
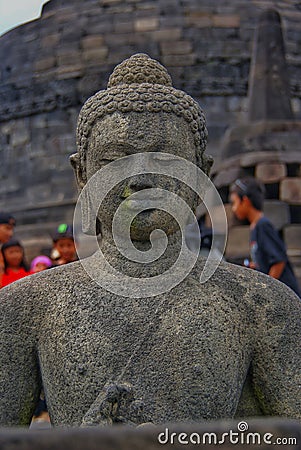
13	263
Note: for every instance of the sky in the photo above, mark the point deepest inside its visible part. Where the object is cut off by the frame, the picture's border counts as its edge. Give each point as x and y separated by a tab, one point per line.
15	12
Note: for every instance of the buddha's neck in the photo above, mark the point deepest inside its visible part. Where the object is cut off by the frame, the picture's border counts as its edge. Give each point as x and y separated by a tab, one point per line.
134	268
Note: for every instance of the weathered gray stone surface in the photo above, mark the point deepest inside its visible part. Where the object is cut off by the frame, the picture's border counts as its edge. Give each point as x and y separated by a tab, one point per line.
53	64
260	434
222	349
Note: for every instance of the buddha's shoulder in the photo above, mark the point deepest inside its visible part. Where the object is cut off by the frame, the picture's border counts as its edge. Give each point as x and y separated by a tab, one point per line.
45	283
245	284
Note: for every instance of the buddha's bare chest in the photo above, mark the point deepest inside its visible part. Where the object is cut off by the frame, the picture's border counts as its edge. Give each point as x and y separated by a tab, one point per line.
165	352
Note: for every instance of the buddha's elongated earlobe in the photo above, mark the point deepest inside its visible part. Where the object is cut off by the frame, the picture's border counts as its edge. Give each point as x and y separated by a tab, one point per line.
89	216
206	163
77	167
90	222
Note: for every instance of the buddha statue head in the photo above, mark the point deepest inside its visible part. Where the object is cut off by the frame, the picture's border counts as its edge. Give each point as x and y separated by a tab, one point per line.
140	111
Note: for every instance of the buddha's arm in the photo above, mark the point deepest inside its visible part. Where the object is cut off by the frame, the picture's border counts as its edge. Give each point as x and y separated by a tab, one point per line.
277	353
19	379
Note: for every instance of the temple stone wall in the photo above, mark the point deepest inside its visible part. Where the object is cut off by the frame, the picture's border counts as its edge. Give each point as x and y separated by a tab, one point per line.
51	65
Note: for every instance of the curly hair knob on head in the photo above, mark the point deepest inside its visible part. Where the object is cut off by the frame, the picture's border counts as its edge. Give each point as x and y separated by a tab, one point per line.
141	84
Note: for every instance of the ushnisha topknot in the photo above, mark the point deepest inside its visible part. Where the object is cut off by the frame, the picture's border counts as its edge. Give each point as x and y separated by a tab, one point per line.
139	68
142	84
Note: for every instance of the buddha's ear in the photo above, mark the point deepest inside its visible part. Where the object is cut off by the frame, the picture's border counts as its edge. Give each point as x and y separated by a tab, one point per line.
90	222
77	167
206	163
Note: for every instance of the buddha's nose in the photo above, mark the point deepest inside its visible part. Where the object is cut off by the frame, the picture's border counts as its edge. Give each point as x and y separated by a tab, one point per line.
142	176
137	183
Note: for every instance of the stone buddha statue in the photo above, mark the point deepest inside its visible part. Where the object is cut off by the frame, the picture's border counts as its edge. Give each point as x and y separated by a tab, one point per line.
189	353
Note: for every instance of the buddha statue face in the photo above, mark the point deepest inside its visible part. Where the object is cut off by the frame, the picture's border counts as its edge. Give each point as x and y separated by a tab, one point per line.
122	134
139	112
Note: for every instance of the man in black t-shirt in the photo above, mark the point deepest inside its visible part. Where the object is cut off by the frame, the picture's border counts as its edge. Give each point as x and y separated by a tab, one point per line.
268	252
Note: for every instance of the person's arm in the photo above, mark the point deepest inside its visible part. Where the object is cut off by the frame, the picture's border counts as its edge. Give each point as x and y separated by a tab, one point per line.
19	373
277	269
276	366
